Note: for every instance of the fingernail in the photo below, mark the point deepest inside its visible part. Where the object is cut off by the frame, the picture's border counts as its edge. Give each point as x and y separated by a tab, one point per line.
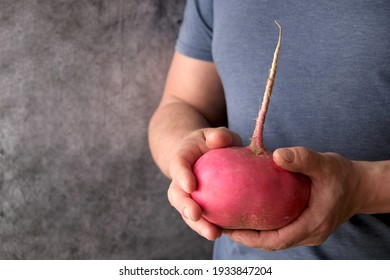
227	232
232	237
287	154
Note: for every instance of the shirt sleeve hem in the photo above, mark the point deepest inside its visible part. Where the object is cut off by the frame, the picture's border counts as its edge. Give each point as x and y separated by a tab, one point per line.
193	52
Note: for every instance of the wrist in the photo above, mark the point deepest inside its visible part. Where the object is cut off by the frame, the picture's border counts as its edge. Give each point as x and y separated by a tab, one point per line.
373	185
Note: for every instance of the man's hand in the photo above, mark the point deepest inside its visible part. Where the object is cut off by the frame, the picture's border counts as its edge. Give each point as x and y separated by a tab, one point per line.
184	181
335	198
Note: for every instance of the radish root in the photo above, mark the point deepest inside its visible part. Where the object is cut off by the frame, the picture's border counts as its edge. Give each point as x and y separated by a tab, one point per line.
257	144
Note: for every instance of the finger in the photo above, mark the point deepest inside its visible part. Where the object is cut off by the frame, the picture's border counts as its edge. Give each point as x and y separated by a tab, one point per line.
180	170
205	228
192	213
298	159
265	240
308	230
221	137
183	203
292	235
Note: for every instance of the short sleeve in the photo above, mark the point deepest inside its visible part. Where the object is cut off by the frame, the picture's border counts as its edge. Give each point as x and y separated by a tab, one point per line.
196	30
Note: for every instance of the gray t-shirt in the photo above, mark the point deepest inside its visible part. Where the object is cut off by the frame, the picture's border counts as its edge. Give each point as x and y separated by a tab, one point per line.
332	92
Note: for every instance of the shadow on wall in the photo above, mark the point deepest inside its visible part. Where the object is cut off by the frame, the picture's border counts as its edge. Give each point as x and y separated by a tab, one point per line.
79	81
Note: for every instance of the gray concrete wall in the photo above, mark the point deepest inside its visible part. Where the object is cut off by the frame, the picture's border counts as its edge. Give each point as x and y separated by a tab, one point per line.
79	80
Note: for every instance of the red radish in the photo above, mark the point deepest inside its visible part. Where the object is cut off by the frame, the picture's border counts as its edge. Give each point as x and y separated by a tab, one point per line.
242	187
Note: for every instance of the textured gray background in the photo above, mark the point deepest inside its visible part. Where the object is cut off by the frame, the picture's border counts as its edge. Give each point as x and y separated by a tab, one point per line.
79	81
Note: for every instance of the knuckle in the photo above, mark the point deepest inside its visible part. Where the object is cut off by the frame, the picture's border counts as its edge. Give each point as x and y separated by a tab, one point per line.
173	166
313	162
177	165
305	154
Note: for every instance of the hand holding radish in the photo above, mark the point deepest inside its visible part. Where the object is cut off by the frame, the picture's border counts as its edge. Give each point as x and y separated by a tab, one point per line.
183	179
335	197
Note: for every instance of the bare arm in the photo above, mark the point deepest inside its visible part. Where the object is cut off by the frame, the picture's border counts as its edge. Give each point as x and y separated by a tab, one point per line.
193	99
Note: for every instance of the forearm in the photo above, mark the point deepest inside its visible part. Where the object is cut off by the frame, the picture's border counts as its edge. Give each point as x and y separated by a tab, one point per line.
193	99
375	183
171	123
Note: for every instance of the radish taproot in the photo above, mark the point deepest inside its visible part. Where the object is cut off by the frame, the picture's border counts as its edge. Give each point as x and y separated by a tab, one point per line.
242	187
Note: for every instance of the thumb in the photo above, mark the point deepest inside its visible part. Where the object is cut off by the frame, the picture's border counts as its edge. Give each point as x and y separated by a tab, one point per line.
298	159
221	137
